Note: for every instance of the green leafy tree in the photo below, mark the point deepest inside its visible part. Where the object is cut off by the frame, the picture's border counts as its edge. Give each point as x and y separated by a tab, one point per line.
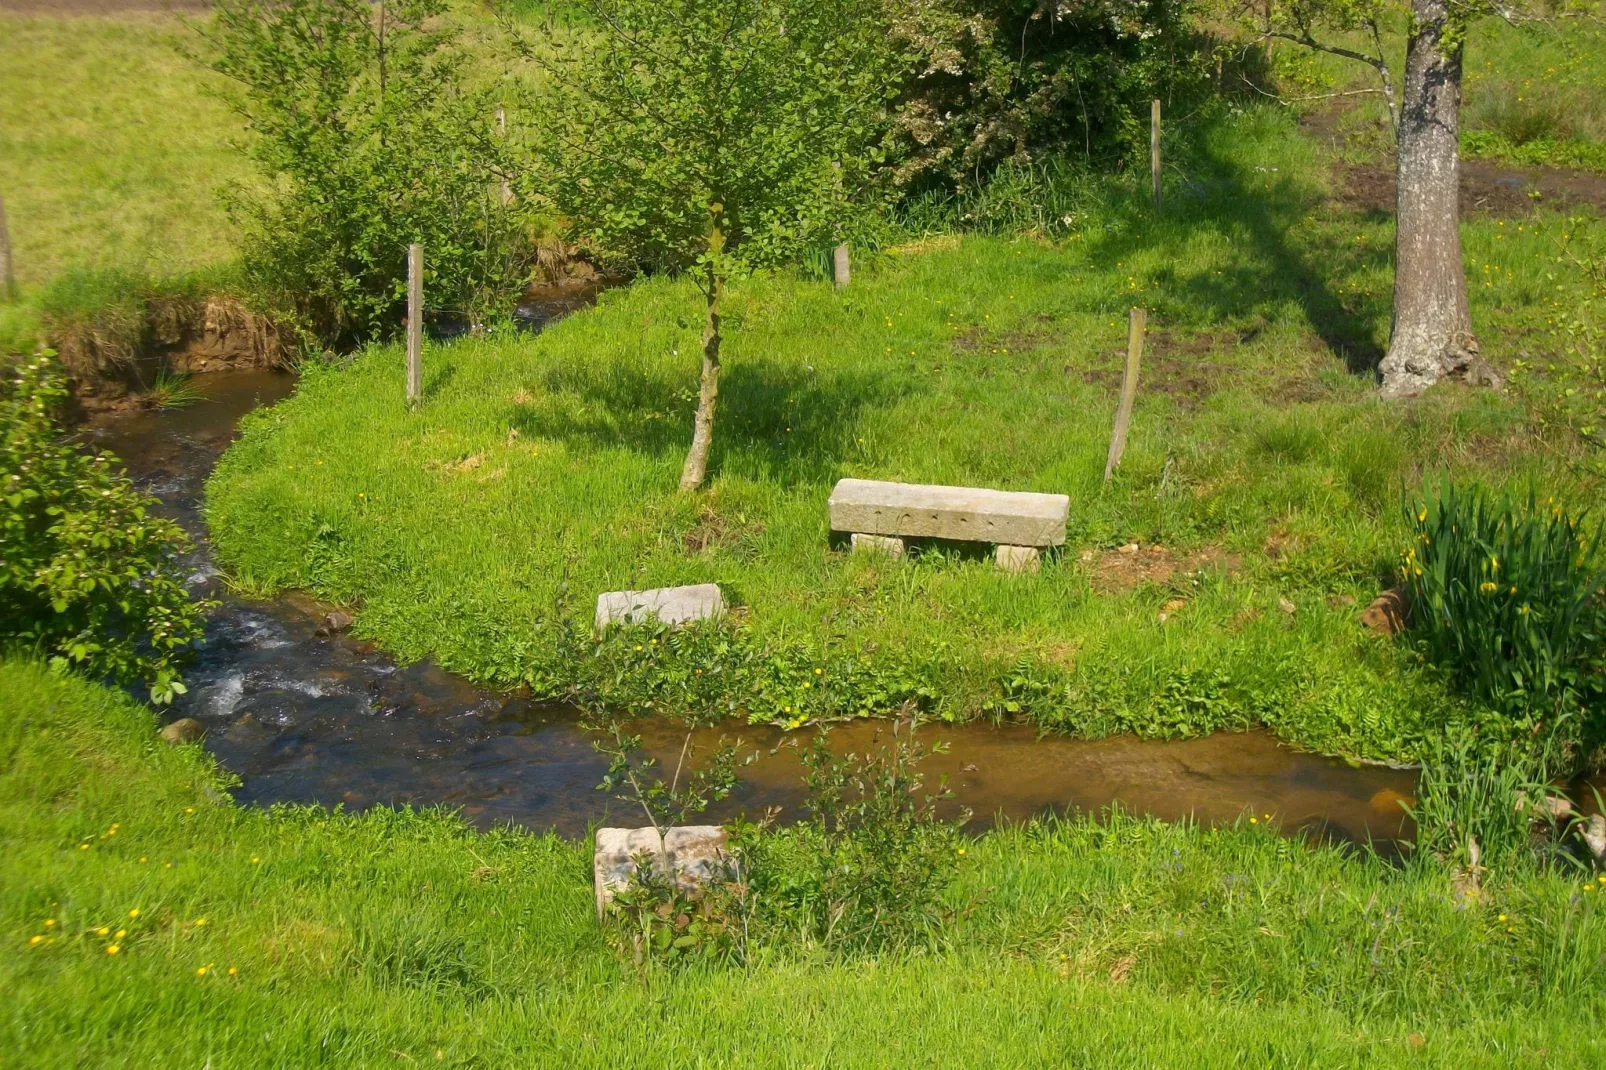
88	574
712	137
368	139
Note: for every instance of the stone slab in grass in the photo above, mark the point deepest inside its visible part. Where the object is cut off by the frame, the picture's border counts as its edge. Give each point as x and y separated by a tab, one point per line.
966	514
670	605
694	854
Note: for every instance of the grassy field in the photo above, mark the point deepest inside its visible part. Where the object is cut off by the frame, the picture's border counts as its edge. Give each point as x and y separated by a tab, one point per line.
1265	473
111	154
1533	95
147	921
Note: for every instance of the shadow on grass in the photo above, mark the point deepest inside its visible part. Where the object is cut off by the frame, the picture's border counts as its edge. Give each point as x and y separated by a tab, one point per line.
1261	213
785	424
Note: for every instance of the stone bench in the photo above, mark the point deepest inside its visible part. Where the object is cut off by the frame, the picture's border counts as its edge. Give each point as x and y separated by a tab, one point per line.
880	516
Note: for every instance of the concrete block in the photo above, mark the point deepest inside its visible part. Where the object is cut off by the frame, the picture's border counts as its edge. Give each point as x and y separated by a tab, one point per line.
883	544
615	860
671	605
1018	558
697	855
971	514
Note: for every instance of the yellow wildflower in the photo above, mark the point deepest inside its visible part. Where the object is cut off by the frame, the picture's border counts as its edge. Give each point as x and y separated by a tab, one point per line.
35	940
112	949
134	913
50	923
120	934
104	930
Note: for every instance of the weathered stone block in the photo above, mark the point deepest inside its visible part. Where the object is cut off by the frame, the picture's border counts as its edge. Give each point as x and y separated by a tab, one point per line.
696	855
882	544
1015	518
671	605
615	860
1018	558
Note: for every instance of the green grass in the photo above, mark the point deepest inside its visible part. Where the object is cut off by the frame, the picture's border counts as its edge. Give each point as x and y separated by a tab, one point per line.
1533	95
395	937
111	153
541	472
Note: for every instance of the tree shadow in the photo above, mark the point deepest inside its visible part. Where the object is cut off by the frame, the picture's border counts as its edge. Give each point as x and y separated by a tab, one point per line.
786	424
1263	209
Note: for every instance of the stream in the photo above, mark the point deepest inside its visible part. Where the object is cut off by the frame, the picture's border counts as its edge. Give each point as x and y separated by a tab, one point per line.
303	716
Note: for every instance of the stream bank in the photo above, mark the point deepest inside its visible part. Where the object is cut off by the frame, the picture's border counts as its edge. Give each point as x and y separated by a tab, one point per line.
305	714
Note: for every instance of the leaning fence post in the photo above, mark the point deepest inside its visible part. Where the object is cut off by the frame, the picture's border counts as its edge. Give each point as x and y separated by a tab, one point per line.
1154	149
840	271
415	322
1129	390
7	277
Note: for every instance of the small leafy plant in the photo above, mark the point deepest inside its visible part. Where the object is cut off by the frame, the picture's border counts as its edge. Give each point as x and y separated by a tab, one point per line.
869	866
88	573
1507	598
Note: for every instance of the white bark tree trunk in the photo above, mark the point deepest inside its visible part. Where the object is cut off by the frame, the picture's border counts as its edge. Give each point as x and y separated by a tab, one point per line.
1432	331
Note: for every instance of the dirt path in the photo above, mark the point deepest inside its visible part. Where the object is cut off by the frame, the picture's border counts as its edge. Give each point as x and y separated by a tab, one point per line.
1487	188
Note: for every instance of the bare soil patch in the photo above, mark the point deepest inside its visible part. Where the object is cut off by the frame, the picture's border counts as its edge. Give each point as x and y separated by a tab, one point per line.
1487	188
1130	566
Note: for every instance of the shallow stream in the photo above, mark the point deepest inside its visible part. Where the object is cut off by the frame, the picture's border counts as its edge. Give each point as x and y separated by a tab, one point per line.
305	716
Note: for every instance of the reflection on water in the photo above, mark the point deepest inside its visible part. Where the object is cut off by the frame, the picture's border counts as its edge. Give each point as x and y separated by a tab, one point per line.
305	716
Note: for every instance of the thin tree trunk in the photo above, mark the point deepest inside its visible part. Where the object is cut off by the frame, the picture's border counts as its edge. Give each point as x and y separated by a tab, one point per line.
1432	331
702	437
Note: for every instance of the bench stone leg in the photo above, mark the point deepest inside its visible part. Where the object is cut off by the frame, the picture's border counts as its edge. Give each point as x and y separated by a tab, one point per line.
1018	558
886	544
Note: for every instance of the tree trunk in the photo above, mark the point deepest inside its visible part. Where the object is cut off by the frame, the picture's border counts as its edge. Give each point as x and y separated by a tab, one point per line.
702	436
1432	331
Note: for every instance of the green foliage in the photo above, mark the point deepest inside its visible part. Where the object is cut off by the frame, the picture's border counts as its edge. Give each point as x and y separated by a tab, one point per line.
675	120
1001	81
368	138
1567	391
870	866
89	574
1506	596
333	936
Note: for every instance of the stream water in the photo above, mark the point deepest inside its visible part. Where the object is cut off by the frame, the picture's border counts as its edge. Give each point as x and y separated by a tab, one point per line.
305	716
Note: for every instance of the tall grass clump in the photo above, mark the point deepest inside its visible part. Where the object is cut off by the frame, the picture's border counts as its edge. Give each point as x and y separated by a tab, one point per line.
1509	598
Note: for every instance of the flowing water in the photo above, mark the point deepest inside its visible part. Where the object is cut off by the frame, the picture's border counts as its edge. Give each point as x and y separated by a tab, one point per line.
301	715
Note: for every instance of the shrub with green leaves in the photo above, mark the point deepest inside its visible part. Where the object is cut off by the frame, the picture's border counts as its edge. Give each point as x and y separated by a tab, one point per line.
869	866
88	573
368	139
1507	598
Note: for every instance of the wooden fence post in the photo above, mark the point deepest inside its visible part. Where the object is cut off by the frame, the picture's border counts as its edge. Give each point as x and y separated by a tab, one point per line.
501	130
1129	390
7	277
840	271
415	322
1154	149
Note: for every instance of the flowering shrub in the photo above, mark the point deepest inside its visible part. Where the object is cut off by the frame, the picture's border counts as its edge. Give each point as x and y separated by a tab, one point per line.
1507	597
87	573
